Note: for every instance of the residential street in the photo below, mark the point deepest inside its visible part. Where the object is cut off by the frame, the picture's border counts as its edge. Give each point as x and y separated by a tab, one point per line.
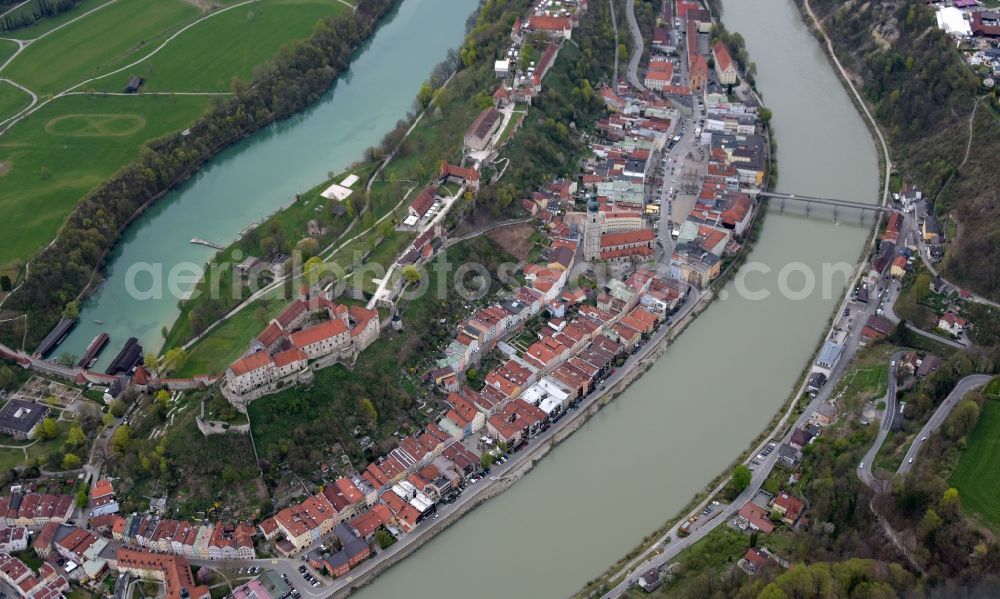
761	472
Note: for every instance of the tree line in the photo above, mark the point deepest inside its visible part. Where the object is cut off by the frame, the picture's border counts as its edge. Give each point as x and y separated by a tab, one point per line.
39	9
294	79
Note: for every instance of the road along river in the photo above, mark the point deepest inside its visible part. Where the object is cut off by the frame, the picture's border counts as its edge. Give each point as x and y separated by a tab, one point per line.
254	178
644	456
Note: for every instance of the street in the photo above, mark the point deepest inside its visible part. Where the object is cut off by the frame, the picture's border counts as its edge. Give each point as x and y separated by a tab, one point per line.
761	472
938	417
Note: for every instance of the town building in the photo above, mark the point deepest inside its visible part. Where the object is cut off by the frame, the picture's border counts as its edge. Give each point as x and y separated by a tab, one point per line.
173	570
479	134
20	418
282	353
725	68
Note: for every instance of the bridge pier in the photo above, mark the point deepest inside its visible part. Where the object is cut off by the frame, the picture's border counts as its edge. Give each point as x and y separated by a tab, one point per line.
835	214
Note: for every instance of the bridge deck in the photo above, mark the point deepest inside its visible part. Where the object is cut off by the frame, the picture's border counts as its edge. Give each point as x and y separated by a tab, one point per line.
826	201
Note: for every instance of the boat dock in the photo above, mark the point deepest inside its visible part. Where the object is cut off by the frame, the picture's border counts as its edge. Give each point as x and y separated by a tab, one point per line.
201	241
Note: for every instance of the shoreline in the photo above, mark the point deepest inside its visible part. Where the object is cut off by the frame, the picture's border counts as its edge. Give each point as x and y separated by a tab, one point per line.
97	273
647	356
630	373
783	415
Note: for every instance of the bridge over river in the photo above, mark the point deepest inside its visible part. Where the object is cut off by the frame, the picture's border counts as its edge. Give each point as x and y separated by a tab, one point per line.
837	204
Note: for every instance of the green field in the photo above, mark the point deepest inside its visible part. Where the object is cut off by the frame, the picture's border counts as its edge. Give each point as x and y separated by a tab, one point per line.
207	56
55	156
64	150
977	475
47	24
7	49
11	100
41	452
109	38
228	342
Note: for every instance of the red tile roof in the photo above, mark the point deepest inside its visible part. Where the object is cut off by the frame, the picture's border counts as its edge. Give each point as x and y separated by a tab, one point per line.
250	363
547	23
757	517
288	356
722	58
292	312
320	332
424	201
269	335
612	240
102	488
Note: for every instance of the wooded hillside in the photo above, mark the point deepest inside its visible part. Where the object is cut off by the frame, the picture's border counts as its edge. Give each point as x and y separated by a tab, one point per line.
923	95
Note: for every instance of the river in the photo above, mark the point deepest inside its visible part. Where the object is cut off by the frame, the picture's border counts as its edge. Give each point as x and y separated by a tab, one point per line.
261	174
643	457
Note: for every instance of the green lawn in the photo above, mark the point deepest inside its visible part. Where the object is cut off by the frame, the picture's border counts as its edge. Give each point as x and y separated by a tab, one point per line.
11	100
226	343
977	475
49	23
7	49
207	56
41	451
67	148
100	42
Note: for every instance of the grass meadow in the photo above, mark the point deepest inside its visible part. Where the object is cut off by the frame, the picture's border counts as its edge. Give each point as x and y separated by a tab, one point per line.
207	56
7	49
977	475
67	148
104	40
55	156
11	100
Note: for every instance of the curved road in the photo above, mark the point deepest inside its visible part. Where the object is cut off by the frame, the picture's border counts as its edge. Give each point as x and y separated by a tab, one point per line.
633	64
865	467
937	419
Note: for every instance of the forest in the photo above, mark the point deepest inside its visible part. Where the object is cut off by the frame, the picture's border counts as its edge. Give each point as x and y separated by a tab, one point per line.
924	95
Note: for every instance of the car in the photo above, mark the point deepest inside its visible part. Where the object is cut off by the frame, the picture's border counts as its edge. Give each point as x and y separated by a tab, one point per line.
909	461
315	583
861	466
715	503
302	568
922	439
493	478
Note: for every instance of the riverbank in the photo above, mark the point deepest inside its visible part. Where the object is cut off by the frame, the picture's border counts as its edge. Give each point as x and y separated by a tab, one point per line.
97	224
523	463
778	425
